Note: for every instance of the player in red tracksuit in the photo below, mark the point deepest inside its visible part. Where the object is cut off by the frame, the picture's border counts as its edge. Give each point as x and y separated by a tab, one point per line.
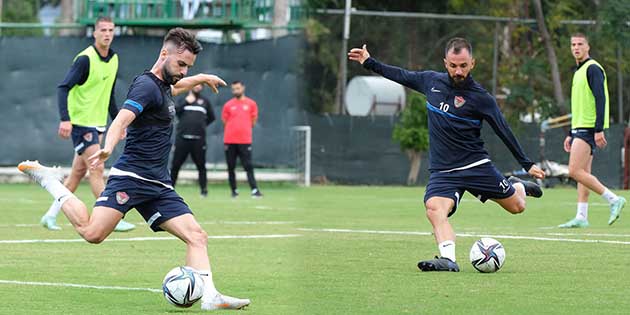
239	117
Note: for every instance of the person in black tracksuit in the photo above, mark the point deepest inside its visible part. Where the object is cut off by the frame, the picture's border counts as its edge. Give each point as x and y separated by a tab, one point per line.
194	114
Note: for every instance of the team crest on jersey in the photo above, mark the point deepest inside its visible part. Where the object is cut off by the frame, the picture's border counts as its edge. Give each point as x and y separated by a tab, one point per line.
87	137
245	107
459	101
122	197
200	101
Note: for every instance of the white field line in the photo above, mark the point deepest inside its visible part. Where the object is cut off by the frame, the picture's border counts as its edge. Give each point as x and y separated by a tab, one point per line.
589	234
563	203
144	223
144	239
74	285
518	237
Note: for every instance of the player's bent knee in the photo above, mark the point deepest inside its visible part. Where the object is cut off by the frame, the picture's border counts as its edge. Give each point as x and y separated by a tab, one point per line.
434	214
575	172
94	237
517	207
198	238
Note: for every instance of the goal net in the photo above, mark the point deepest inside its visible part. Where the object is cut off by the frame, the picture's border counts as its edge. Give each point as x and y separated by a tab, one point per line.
301	140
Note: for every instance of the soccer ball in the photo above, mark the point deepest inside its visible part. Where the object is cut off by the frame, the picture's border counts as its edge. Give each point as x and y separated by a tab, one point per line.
487	255
182	287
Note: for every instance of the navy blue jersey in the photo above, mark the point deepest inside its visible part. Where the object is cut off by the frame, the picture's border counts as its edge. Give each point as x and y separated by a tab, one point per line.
455	115
149	135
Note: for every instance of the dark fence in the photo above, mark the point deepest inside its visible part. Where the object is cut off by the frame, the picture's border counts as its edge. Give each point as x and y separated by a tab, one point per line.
33	67
353	150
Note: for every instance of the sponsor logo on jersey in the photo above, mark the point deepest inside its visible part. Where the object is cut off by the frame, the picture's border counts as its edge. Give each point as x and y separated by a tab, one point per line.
88	137
122	197
459	101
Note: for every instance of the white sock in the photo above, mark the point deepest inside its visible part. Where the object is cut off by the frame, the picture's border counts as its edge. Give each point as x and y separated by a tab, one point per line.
58	191
209	291
447	250
582	211
54	209
610	196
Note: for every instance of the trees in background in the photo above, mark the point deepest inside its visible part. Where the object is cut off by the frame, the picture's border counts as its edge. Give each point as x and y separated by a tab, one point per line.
411	132
525	81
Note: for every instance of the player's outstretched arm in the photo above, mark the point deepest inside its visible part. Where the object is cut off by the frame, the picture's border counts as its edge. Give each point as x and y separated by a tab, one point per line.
115	133
491	113
186	84
411	79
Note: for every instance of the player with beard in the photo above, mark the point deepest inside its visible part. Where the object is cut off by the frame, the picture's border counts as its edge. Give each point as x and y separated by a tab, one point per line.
140	178
456	106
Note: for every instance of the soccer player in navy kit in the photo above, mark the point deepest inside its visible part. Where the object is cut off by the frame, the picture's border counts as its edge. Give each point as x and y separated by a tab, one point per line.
458	161
140	178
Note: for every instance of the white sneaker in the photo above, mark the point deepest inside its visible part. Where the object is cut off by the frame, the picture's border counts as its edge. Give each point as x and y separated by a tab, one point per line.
41	174
224	302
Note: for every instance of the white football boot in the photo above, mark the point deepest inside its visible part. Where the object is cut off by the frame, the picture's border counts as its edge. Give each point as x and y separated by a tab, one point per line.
224	302
41	174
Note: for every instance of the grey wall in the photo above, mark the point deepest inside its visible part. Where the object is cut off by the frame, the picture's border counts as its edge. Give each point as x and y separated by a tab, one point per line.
31	68
360	151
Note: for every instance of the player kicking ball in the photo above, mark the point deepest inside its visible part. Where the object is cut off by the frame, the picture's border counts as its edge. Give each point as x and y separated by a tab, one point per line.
140	178
458	162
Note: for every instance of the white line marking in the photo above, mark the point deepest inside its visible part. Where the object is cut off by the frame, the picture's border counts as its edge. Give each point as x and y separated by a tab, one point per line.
142	239
144	223
564	203
533	238
589	234
74	285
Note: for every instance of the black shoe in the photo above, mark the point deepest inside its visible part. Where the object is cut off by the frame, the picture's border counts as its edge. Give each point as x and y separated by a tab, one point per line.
531	189
234	193
438	264
256	193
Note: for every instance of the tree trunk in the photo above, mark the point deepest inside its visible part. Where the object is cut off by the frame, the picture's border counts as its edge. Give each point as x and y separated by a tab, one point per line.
551	55
619	84
415	158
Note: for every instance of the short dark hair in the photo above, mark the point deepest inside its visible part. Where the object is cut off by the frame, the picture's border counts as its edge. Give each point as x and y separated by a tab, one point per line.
183	39
580	35
103	19
457	44
237	82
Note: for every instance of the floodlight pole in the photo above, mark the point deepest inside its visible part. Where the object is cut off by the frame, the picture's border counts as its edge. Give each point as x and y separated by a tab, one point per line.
343	59
495	59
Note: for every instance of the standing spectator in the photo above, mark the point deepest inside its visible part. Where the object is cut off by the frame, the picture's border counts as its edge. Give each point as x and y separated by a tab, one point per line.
239	117
194	114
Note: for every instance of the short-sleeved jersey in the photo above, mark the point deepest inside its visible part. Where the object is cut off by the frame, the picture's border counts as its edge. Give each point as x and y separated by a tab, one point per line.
238	116
455	114
149	137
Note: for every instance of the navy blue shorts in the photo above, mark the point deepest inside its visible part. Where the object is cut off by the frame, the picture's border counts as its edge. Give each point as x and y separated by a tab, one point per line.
84	137
483	181
156	203
586	134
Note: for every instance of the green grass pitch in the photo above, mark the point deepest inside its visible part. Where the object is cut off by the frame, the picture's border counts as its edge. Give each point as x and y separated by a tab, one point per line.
338	250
